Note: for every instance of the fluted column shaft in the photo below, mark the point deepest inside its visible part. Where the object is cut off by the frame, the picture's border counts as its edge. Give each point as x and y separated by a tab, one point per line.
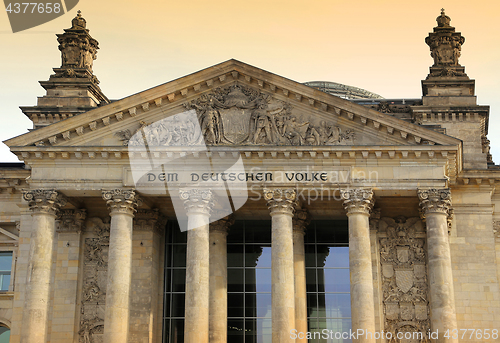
436	207
122	205
198	205
44	205
281	203
358	203
218	280
300	221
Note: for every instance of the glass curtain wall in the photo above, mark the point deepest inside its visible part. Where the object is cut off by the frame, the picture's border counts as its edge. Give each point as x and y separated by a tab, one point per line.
249	281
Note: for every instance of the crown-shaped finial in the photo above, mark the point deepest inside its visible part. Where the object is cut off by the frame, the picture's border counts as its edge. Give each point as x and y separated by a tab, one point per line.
78	22
443	20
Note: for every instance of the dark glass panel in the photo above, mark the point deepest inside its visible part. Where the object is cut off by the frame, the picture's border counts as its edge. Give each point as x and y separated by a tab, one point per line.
336	280
332	231
168	255
179	255
321	305
235	331
338	257
310	236
251	331
235	305
178	304
321	279
235	255
168	279
311	280
178	235
177	331
251	305
310	255
166	305
235	280
258	231
236	232
312	304
166	331
179	280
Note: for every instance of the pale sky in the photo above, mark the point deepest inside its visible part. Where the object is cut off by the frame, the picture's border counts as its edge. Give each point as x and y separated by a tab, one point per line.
377	45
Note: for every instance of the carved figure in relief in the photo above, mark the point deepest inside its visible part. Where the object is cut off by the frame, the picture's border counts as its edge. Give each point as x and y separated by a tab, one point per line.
294	131
264	122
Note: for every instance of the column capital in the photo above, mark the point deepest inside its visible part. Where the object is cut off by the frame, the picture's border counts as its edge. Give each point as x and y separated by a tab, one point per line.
357	200
197	200
281	200
121	201
435	201
71	220
46	201
222	225
301	220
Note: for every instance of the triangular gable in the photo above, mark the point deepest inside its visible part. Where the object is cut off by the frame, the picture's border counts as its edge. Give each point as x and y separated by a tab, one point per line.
318	118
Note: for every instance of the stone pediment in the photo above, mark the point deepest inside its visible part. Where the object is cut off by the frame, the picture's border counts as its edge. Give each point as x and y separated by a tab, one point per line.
230	104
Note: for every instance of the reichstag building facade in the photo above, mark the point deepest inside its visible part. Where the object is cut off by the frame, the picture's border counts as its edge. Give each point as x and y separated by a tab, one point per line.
235	205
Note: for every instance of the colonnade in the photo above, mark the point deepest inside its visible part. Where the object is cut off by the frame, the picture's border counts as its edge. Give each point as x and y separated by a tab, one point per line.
206	266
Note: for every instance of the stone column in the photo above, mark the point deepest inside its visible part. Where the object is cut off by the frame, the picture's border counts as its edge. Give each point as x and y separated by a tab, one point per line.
300	222
122	205
358	204
198	205
435	209
68	270
44	205
281	203
218	280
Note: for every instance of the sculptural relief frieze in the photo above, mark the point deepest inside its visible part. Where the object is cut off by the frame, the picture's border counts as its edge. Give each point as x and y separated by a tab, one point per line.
404	276
95	267
238	115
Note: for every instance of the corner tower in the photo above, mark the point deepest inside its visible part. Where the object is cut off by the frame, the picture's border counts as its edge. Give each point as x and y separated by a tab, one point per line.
448	100
73	89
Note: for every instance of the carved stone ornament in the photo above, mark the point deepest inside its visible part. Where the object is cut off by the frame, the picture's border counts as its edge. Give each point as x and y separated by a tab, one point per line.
78	48
281	200
222	225
357	200
496	229
404	276
238	115
149	220
435	201
121	201
71	220
197	200
445	45
301	220
47	201
95	267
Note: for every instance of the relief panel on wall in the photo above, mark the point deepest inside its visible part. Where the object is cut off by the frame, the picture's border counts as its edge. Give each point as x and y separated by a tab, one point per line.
403	267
